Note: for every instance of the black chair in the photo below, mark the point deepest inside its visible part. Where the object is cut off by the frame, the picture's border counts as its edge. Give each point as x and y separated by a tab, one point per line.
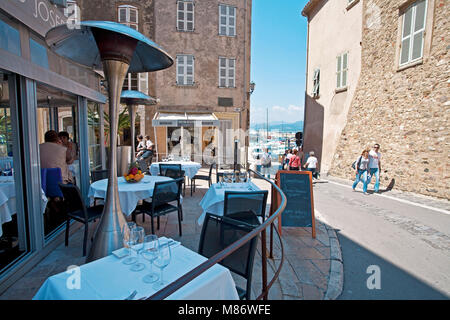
99	175
163	193
173	171
163	167
76	209
203	177
217	234
246	206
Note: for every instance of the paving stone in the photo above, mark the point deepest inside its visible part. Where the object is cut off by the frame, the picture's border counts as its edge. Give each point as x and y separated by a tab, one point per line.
323	265
311	292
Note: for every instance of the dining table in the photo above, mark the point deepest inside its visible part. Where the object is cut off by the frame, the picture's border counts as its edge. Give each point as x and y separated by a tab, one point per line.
190	167
129	193
110	279
213	200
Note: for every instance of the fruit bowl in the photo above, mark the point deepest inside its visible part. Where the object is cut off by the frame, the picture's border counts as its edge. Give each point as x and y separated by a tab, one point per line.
134	174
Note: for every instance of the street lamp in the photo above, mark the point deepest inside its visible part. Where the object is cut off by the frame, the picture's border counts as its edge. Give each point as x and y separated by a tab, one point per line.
252	87
120	49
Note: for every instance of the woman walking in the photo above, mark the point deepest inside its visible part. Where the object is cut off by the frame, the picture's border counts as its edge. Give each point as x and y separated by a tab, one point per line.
294	162
362	167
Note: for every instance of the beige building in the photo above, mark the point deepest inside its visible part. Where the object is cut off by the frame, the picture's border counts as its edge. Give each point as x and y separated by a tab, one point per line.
204	98
399	98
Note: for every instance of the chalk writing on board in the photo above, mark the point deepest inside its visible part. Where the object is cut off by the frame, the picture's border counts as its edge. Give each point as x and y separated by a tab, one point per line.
297	189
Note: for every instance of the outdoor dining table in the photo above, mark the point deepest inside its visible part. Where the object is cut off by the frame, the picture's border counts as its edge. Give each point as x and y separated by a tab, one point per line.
213	200
190	168
109	279
129	193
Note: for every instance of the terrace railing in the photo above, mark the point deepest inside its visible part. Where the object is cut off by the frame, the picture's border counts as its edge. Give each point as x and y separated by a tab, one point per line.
261	229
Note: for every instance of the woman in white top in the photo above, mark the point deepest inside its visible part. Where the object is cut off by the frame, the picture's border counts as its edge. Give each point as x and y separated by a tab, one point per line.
312	164
140	147
362	167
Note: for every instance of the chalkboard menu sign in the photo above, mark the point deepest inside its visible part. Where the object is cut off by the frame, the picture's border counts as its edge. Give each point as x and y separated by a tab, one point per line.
299	211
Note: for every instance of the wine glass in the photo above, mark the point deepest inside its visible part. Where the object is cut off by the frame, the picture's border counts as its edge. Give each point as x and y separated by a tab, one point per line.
128	242
233	177
243	176
226	177
137	234
162	261
150	253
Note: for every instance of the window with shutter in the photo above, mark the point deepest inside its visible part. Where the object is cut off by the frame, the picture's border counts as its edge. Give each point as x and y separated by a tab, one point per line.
185	15
413	32
341	71
185	70
129	16
227	20
227	72
143	82
316	83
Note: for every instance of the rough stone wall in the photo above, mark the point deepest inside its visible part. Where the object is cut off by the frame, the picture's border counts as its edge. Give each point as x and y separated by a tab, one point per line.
407	112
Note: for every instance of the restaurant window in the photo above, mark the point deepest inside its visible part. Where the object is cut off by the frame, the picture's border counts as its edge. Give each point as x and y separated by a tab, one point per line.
185	70
413	33
185	15
9	38
128	15
227	20
95	158
341	71
227	69
14	235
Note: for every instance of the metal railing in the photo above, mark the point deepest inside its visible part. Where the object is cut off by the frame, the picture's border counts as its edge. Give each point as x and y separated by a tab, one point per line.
261	229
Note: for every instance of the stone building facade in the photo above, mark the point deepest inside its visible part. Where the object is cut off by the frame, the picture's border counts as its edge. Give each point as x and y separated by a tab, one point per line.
210	43
402	97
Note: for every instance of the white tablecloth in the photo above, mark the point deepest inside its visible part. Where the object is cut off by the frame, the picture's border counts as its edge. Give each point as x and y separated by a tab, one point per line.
8	200
190	168
109	279
129	193
214	198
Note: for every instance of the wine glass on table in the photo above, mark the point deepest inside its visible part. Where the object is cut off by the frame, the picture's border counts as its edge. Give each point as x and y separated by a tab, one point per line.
137	234
128	242
163	259
150	253
242	176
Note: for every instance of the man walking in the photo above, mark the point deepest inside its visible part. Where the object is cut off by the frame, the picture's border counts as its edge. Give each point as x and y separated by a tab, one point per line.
375	166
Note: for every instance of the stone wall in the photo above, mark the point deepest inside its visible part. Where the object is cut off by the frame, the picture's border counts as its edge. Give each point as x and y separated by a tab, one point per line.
405	111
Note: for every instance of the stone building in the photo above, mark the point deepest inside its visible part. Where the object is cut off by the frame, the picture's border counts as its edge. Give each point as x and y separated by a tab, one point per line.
206	91
400	97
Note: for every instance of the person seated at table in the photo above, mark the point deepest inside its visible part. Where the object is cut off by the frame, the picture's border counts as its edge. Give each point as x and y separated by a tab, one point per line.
140	147
148	151
71	154
53	155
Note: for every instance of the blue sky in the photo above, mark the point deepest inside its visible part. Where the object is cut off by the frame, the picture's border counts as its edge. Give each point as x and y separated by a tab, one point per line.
279	33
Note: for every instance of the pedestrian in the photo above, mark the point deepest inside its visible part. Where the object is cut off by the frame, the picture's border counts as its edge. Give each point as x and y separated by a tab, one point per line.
294	162
312	164
288	158
301	155
140	147
375	166
266	163
284	159
362	167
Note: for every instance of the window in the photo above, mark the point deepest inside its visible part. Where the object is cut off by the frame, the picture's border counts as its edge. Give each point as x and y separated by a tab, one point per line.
413	31
185	16
95	159
10	38
227	69
341	71
128	15
38	54
185	70
131	82
227	20
316	83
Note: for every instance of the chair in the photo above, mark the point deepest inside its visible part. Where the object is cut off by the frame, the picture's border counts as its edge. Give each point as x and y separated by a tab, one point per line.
246	206
175	174
163	167
203	177
217	234
53	178
163	193
76	209
99	175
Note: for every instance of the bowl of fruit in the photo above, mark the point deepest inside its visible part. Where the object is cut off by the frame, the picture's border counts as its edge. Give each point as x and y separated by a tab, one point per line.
134	174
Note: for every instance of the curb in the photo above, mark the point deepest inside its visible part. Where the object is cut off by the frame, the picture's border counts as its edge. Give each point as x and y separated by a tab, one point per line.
336	280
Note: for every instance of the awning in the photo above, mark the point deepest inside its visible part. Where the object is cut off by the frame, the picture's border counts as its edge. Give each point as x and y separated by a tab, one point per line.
185	120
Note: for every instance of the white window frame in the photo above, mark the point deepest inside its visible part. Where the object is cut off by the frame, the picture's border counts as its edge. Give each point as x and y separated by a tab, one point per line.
185	14
127	21
340	70
316	83
412	34
227	16
227	69
127	84
185	66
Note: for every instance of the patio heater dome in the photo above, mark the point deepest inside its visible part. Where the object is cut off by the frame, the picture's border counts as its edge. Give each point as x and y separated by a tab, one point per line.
81	45
119	49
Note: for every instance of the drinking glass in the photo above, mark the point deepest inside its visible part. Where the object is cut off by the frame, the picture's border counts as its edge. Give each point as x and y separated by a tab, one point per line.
243	176
128	242
150	253
226	177
137	234
162	261
233	177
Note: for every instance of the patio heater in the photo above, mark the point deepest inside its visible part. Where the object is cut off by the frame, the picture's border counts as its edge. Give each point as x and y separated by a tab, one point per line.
120	49
134	98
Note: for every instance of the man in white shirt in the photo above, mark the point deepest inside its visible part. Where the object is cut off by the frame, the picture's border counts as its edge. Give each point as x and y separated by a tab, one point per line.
375	166
266	163
312	165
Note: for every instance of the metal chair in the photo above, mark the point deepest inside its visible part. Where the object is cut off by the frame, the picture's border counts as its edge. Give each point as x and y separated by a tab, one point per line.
163	193
203	177
246	206
163	167
217	234
174	171
99	175
77	210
